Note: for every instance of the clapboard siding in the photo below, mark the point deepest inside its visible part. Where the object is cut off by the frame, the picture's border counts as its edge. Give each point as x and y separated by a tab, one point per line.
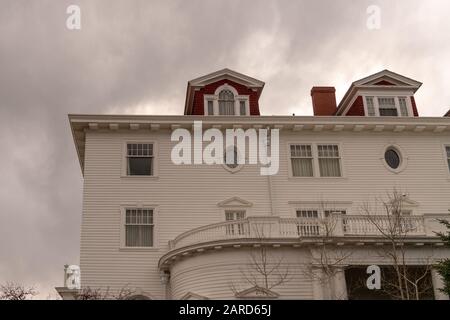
219	274
187	197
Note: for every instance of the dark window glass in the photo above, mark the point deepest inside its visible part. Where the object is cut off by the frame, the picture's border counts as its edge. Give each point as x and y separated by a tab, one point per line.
392	158
388	112
210	108
242	108
140	159
140	166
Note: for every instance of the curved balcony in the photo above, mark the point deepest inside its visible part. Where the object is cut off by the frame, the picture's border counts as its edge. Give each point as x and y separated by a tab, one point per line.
275	230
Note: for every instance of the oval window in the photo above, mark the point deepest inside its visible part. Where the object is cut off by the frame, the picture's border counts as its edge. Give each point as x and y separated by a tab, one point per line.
392	158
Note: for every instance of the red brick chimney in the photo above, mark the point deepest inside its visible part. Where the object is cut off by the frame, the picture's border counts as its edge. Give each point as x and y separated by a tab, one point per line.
324	101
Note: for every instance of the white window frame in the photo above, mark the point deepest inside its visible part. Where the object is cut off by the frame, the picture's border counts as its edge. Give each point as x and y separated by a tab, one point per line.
312	159
215	99
240	229
401	153
396	96
445	146
321	212
366	107
124	171
123	210
315	155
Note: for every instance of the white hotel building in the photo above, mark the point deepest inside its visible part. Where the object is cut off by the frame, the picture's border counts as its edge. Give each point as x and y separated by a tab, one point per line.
204	231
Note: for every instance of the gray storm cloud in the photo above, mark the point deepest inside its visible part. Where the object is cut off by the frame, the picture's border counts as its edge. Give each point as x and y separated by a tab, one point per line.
136	57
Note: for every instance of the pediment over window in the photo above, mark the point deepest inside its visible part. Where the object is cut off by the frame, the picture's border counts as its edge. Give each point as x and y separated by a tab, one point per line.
257	293
193	296
381	84
235	202
387	78
409	203
205	90
226	74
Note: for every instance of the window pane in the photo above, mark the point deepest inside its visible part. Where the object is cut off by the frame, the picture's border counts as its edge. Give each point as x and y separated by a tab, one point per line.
387	107
226	108
388	112
327	213
139	166
139	149
210	108
447	148
392	158
226	102
403	107
139	235
234	215
301	151
226	95
370	106
386	102
329	161
329	167
307	214
235	228
139	228
302	167
242	108
308	229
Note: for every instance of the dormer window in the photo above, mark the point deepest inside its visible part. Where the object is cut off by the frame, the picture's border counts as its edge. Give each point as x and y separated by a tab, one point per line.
226	103
384	93
387	106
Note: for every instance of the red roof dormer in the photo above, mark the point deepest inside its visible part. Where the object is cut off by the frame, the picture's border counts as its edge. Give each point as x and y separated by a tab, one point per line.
224	92
382	94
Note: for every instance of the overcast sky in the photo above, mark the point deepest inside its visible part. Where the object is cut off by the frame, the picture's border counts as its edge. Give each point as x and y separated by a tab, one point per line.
136	57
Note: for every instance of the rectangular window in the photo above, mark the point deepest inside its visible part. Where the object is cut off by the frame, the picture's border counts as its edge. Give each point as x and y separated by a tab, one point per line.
210	108
226	108
301	160
235	228
328	213
403	106
387	107
305	227
242	108
139	159
447	149
139	228
329	160
370	106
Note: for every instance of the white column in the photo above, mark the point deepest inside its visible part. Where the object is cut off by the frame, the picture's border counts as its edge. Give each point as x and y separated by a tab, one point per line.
438	284
318	293
340	287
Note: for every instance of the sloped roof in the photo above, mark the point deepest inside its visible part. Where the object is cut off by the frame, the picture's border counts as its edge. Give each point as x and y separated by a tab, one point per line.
382	79
212	77
257	292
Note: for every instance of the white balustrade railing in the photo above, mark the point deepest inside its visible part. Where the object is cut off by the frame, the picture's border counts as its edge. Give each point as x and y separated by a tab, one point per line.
383	225
291	228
